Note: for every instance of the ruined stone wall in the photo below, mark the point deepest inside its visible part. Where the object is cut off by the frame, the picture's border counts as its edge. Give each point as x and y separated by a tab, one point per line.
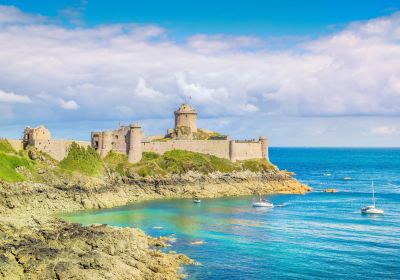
57	149
120	140
219	148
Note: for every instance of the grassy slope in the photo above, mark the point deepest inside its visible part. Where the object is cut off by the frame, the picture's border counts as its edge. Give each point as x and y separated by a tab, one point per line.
180	161
88	162
10	160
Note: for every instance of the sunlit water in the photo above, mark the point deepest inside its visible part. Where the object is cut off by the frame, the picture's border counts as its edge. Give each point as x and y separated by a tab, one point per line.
314	236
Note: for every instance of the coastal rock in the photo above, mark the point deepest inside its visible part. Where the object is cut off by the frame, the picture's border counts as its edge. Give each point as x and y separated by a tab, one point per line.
35	245
61	250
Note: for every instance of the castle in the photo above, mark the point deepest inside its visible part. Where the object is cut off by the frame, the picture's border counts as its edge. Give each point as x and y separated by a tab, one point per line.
40	138
184	136
131	140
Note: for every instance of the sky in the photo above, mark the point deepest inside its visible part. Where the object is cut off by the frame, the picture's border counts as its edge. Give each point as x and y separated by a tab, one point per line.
303	73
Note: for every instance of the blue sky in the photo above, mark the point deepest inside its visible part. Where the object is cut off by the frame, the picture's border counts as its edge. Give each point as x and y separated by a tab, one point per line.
251	17
304	73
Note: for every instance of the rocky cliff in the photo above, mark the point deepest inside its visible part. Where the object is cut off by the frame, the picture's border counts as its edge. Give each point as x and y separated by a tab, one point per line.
34	244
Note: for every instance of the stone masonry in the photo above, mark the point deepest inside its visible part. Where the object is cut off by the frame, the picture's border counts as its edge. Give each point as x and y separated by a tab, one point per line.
130	140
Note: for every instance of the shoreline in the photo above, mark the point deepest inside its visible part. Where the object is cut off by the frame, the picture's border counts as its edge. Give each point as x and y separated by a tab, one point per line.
30	209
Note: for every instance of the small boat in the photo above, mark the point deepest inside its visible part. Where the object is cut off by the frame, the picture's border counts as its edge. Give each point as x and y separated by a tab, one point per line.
347	178
372	208
262	203
196	200
282	205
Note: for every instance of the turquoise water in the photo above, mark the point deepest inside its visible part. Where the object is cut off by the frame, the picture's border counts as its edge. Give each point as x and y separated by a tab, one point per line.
314	236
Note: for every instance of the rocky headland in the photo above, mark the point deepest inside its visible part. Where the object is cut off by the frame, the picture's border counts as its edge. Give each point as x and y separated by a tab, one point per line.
36	244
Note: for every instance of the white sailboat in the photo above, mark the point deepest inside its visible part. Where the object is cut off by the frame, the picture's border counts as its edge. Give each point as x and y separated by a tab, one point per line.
262	203
372	208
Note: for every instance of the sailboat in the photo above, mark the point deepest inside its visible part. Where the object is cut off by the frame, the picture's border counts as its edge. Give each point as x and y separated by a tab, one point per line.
372	208
262	203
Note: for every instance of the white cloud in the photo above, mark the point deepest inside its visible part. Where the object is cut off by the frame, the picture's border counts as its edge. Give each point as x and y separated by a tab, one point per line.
10	97
68	105
142	90
220	43
11	14
136	71
385	130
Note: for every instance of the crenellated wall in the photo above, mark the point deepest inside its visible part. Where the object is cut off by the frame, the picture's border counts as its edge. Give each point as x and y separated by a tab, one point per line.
219	148
242	150
229	149
130	140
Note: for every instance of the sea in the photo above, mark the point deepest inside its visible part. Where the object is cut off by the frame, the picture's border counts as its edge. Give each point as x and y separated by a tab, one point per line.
314	236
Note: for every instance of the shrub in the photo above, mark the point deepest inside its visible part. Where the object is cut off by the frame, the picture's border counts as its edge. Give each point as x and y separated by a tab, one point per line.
84	160
117	161
150	155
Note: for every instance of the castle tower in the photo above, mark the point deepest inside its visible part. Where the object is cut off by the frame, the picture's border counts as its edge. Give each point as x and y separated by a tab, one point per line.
185	120
39	134
264	147
135	143
232	151
106	143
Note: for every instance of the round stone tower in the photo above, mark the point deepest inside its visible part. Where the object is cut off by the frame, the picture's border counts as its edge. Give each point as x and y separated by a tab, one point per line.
135	143
185	120
264	147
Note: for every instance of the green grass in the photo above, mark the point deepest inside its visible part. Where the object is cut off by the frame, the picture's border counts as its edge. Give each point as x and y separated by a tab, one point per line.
6	147
8	164
117	162
212	135
180	162
257	165
150	156
83	160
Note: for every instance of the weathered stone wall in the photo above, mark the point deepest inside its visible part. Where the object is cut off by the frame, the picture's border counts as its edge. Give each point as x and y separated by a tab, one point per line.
219	148
57	149
232	150
120	139
186	120
135	143
245	150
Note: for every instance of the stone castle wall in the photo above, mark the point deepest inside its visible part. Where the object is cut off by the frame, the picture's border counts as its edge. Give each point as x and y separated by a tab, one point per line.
219	148
130	140
57	149
228	149
245	150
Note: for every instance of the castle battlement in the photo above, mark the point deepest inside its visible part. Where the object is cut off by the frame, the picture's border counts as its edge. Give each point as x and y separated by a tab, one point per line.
131	140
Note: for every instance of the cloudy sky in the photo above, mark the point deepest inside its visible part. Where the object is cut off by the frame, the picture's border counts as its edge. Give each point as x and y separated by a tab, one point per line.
303	73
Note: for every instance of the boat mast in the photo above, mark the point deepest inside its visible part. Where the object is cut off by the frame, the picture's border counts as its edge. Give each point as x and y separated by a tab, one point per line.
373	193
